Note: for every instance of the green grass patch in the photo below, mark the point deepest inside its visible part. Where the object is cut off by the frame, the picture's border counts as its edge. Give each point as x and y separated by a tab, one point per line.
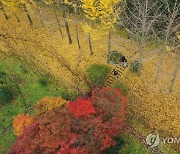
97	74
120	85
33	87
126	144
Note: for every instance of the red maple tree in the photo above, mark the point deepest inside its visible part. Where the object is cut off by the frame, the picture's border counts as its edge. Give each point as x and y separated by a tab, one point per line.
81	107
84	126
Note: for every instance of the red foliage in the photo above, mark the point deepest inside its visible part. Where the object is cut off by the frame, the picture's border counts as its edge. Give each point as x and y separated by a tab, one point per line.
110	104
68	150
81	107
45	136
85	126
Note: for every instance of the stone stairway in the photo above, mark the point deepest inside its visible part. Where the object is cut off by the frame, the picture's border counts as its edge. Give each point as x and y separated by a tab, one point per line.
120	69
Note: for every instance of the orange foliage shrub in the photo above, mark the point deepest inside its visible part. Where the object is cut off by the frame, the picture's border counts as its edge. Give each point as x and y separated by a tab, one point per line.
48	103
20	121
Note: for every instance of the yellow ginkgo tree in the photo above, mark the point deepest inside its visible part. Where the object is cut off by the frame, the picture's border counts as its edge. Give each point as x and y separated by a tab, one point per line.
102	14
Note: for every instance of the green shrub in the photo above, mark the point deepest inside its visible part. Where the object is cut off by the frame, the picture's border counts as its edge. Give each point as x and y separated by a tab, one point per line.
23	69
121	86
68	95
115	56
127	144
7	95
115	149
135	66
97	74
2	74
69	8
44	81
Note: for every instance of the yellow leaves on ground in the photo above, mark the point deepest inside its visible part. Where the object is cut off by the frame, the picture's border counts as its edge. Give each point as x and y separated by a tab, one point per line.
145	99
20	121
152	102
48	103
156	108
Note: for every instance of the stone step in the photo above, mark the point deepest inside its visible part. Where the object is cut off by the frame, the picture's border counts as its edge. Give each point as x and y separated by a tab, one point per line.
107	85
111	77
120	69
109	81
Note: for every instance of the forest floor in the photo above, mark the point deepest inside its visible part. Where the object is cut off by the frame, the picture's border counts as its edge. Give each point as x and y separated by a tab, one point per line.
43	49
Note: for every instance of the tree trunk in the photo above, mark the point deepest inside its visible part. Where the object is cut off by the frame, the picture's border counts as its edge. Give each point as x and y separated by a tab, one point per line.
59	25
109	47
17	18
141	54
28	16
90	44
37	6
163	50
66	25
174	78
160	63
5	15
77	35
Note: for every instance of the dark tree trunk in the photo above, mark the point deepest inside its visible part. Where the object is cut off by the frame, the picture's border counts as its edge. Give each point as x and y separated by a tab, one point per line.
109	47
66	25
90	44
28	16
59	25
5	15
77	34
17	18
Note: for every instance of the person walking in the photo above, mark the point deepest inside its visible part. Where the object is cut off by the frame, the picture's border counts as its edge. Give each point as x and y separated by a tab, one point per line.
123	61
115	74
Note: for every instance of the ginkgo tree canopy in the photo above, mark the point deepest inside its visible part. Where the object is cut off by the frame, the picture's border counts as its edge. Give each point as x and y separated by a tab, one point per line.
103	15
101	11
